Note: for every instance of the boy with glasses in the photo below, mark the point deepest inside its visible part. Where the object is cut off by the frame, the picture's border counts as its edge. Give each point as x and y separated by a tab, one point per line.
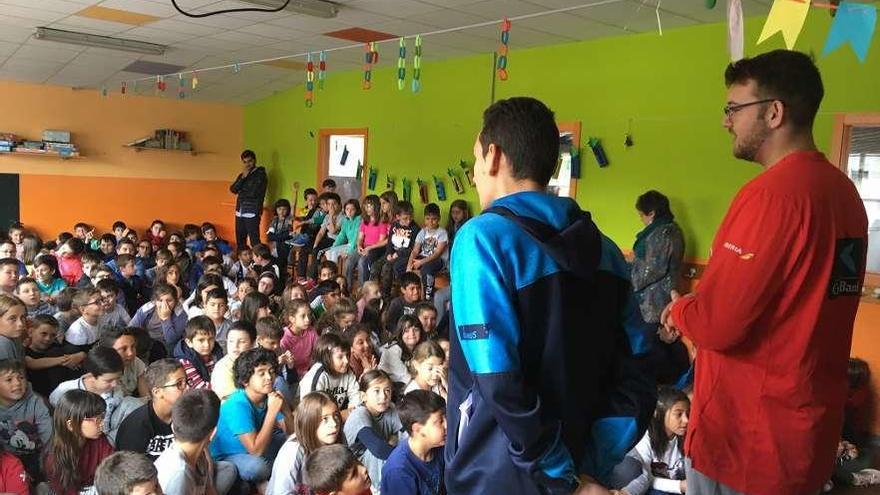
147	430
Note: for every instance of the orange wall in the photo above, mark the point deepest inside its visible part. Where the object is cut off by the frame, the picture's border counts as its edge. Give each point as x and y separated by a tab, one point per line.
53	203
866	346
107	183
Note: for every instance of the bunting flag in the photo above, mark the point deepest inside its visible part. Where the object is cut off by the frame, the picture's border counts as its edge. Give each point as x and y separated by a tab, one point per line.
854	23
787	16
735	29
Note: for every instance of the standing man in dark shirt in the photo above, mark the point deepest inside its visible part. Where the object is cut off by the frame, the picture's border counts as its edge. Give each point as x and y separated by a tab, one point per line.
250	187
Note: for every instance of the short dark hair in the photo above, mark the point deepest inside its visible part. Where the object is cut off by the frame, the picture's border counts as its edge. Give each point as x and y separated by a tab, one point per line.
110	334
45	320
403	208
785	75
121	471
244	326
326	287
432	209
524	130
77	246
262	251
410	278
109	238
653	201
119	224
194	416
248	361
124	259
332	196
157	372
108	285
248	154
64	299
125	240
328	264
212	260
103	360
24	281
217	293
354	202
9	261
417	406
328	467
200	325
11	366
282	203
270	327
328	183
191	229
308	192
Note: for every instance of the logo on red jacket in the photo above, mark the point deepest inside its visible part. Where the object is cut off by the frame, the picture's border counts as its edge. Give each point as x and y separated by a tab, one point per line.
849	268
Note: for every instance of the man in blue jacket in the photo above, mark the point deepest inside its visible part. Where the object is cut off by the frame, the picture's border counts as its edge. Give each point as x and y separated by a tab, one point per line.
548	383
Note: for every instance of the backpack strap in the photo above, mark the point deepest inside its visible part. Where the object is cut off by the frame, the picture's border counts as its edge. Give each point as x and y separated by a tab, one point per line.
582	236
320	371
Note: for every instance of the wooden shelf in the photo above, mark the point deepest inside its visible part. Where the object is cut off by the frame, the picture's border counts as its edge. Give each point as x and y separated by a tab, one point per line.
45	154
145	148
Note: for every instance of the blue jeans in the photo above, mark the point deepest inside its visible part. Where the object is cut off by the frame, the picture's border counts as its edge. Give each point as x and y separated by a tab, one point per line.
258	468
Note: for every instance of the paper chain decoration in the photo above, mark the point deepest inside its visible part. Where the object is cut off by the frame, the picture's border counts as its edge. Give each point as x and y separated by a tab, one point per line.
503	48
371	56
322	69
310	81
417	66
401	65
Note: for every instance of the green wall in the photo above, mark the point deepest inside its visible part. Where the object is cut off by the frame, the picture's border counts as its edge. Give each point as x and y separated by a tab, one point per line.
668	89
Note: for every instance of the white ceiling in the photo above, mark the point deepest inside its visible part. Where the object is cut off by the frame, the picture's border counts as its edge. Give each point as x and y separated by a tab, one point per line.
233	38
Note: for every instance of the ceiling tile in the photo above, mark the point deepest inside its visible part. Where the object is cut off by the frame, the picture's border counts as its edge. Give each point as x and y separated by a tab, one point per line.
221	21
569	25
157	36
45	16
163	9
271	31
446	18
52	52
12	32
116	15
243	38
190	28
307	24
498	9
94	26
62	6
521	37
361	35
7	48
393	8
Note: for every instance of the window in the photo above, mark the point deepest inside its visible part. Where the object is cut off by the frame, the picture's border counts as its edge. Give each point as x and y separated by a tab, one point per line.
856	150
342	156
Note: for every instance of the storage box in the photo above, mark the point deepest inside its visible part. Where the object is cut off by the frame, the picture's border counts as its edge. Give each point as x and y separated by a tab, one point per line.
33	145
56	136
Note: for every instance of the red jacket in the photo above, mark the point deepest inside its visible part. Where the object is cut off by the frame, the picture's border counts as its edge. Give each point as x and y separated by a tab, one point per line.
772	320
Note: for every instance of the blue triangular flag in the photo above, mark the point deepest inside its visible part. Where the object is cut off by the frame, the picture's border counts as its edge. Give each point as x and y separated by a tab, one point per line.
853	23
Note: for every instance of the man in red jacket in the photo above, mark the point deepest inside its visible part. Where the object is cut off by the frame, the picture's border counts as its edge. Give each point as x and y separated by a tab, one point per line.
772	317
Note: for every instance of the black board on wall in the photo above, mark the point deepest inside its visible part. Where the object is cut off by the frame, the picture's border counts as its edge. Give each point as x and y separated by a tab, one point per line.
9	204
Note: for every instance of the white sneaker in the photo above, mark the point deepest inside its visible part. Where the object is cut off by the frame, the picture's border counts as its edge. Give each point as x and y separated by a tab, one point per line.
866	477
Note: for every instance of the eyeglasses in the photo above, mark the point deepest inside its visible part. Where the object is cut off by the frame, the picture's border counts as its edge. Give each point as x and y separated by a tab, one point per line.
179	385
98	420
732	108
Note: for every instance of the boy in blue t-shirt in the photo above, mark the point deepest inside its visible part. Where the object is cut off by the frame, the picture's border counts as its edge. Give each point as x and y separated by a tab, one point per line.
415	467
254	420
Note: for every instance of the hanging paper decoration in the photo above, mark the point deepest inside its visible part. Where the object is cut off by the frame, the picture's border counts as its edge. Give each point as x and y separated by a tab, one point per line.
598	151
441	188
417	65
854	23
103	90
236	68
735	29
787	16
575	163
423	190
468	172
371	57
389	182
181	94
322	69
310	81
503	48
407	189
195	80
710	4
371	181
401	65
123	88
360	171
456	182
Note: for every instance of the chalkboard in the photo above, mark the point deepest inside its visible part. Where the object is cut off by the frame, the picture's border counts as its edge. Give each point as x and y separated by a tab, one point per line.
9	208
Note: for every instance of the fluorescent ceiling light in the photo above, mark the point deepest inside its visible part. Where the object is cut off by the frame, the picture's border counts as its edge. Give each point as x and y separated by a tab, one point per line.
86	39
317	8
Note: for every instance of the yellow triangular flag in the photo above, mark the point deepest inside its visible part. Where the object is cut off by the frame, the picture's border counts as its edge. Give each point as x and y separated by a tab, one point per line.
787	16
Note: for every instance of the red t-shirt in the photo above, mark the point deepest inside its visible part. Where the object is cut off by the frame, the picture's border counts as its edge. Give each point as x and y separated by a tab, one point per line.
772	320
13	478
93	452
